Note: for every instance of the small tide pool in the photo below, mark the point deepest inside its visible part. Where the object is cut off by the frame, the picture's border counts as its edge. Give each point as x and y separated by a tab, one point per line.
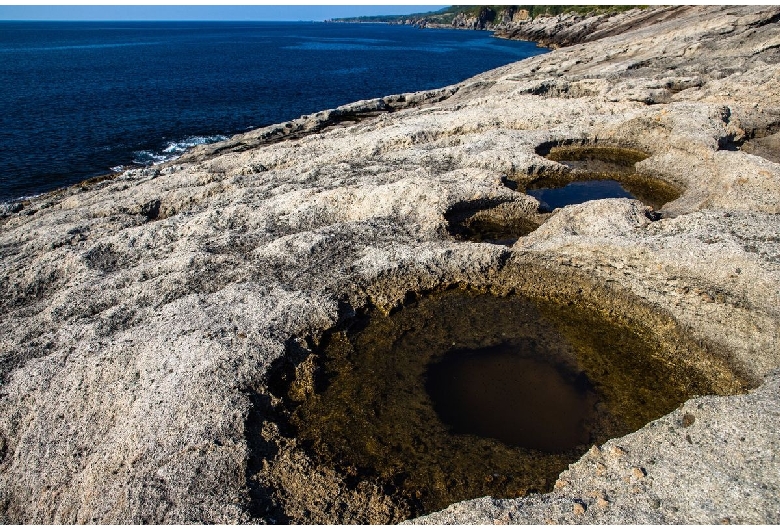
595	171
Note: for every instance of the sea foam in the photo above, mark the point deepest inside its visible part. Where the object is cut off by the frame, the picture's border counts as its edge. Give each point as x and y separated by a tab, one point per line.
173	150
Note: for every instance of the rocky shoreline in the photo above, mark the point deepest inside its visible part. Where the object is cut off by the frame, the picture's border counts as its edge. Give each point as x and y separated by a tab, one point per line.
158	327
552	31
571	28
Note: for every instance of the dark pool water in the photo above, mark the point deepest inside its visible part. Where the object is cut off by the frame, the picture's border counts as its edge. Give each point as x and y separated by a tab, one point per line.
484	229
577	193
596	172
504	392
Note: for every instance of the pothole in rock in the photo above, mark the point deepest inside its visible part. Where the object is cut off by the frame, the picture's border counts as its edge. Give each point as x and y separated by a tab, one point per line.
461	394
597	172
496	224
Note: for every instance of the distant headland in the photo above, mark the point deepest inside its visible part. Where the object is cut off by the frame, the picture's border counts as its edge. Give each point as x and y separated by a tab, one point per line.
548	25
486	17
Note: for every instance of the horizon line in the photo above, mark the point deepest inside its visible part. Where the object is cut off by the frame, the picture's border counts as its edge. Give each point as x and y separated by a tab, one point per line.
203	13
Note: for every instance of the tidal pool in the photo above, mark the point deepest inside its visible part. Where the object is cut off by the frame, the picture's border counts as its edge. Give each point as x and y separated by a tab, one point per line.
488	224
577	193
496	232
597	172
461	394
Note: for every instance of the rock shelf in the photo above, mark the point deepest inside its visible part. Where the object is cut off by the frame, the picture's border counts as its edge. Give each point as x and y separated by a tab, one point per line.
153	325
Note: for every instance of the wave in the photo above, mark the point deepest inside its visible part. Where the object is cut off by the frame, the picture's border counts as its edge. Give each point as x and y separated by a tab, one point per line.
171	151
9	206
174	150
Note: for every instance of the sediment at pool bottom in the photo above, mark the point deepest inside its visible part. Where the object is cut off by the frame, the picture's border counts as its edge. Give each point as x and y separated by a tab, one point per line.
461	394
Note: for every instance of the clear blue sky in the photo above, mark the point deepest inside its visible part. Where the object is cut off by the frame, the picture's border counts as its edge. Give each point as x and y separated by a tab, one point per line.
202	12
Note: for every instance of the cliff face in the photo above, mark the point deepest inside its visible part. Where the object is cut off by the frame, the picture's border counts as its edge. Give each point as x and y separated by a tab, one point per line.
571	28
144	319
565	29
555	31
486	18
483	20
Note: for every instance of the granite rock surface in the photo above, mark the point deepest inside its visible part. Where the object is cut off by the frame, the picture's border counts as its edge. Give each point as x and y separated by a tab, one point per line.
141	316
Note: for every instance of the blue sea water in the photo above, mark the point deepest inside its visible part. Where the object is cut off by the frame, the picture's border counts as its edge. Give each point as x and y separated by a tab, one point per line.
80	98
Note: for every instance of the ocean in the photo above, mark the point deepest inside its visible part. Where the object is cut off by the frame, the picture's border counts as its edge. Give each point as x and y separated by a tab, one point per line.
82	99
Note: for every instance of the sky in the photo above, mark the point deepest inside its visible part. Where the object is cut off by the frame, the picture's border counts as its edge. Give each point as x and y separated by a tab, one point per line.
204	12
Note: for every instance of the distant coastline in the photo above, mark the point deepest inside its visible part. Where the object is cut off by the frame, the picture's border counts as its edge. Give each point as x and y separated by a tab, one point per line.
547	25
